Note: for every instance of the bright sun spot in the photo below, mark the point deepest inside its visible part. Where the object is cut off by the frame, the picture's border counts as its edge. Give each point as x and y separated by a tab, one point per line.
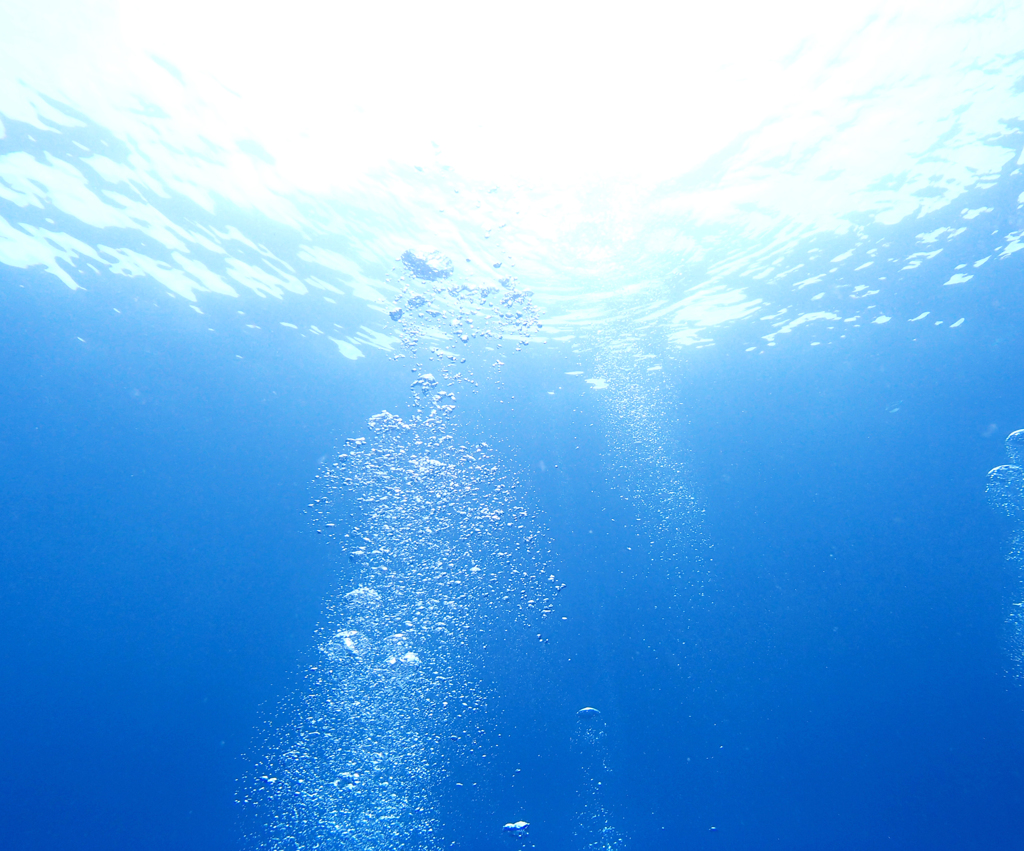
796	110
545	90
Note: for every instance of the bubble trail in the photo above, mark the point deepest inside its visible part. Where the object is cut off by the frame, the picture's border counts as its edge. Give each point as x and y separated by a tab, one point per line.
439	551
594	830
647	464
1005	490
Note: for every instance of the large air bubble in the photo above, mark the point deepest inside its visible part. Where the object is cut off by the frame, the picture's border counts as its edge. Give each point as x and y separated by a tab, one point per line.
427	264
516	829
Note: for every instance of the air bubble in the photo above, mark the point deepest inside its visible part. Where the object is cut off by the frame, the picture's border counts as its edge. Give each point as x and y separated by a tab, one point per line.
516	829
362	600
348	642
427	264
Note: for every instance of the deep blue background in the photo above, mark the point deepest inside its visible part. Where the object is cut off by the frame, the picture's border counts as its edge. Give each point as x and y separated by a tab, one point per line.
842	682
839	685
158	579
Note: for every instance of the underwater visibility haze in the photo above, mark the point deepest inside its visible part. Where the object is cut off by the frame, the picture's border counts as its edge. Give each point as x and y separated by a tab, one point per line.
466	426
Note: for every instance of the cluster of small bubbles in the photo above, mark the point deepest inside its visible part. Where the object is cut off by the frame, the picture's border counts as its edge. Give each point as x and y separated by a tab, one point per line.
354	766
438	550
436	308
648	463
440	534
1015	447
1004	487
594	831
590	727
1005	490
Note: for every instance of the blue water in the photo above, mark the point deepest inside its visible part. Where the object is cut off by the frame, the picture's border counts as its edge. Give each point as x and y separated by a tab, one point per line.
713	470
839	683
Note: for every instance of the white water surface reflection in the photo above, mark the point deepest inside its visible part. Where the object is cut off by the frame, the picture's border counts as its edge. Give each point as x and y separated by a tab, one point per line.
686	172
